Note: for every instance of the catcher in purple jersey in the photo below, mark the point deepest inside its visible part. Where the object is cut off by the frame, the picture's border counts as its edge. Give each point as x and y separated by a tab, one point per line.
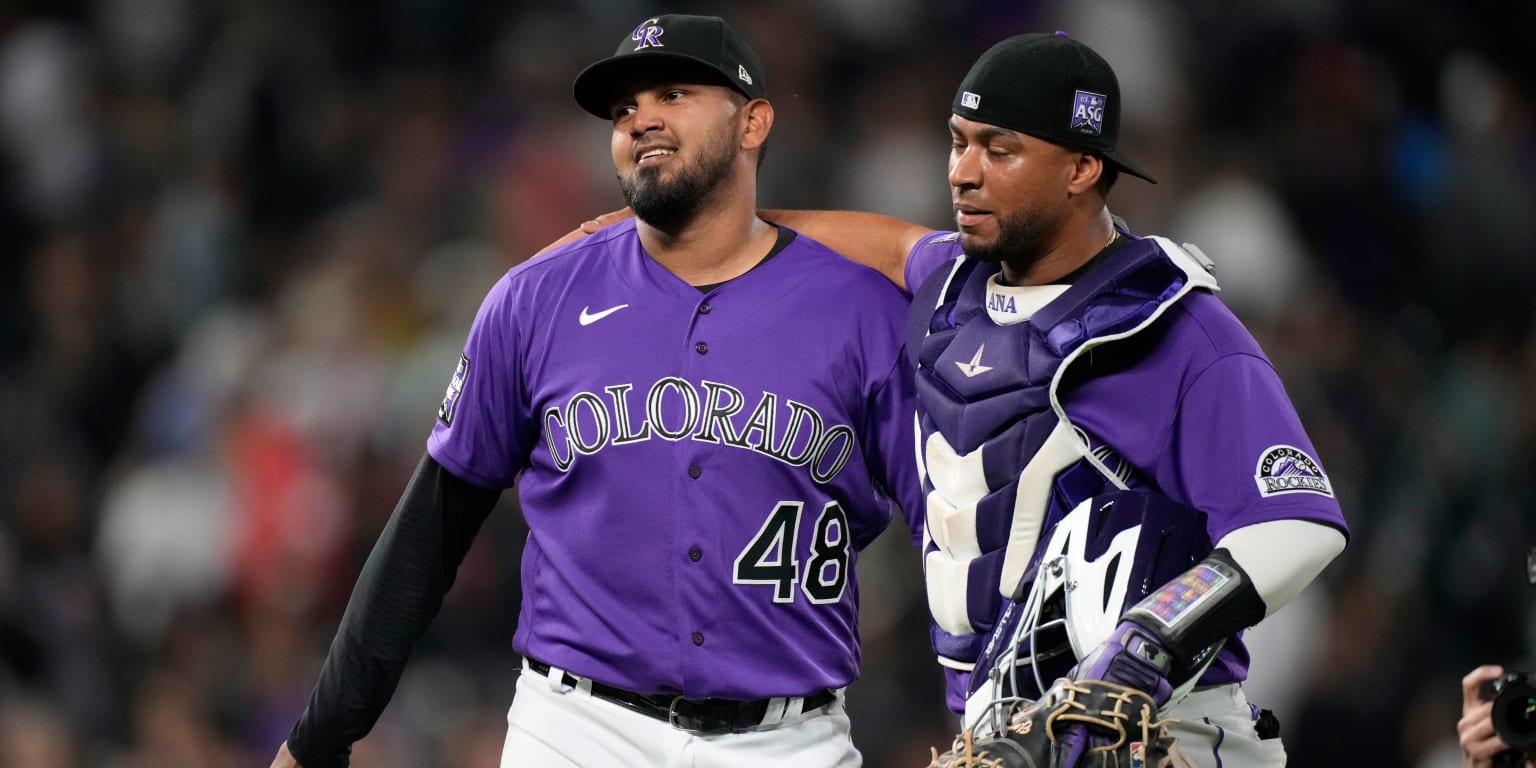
703	438
1088	408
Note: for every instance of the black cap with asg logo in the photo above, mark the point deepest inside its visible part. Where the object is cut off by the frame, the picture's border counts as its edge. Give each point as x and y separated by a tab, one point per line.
704	45
1051	87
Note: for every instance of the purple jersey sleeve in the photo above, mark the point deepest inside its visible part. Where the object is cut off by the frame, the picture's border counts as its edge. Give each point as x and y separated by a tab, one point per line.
933	251
484	413
890	434
1243	456
1213	427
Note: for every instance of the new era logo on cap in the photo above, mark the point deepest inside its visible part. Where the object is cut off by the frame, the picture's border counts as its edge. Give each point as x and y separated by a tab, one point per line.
741	72
970	100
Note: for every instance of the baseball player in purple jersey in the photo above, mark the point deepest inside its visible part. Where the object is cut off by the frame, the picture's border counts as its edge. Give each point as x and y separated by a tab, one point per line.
1068	368
706	417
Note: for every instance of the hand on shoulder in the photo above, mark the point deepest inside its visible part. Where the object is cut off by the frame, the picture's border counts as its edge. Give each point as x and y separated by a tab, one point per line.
604	219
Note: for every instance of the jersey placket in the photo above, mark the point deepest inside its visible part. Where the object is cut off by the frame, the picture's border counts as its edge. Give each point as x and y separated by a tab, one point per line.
698	576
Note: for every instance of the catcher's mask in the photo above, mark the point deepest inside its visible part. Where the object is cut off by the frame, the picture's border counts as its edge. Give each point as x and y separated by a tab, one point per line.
1097	561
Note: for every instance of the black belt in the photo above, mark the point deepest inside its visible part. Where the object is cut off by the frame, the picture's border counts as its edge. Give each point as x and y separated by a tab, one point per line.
706	716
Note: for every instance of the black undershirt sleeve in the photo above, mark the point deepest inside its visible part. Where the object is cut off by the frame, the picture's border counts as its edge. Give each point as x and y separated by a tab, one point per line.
398	593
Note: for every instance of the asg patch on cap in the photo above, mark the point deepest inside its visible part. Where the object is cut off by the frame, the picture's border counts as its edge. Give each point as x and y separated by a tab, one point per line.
1088	113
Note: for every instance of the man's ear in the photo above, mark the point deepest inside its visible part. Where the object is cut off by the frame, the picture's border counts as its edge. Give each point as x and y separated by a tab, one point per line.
759	117
1085	173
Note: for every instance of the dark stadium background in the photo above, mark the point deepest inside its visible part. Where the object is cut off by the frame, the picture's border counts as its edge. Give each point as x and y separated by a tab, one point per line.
243	241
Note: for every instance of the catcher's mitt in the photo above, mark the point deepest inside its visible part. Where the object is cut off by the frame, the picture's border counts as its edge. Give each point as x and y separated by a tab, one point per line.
1121	725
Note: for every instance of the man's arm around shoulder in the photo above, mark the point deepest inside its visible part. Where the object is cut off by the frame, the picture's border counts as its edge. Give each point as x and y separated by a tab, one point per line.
880	242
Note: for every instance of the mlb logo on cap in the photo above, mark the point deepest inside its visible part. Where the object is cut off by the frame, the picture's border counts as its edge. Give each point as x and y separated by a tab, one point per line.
1088	113
971	100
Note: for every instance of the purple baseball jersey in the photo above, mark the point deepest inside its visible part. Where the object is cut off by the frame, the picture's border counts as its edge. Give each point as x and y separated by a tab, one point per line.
698	471
1196	412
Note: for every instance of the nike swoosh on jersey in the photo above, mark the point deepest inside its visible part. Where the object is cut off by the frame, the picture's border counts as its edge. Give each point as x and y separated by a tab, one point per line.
588	317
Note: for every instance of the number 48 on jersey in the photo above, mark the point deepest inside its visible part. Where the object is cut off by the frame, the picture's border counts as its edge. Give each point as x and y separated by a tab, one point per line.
773	556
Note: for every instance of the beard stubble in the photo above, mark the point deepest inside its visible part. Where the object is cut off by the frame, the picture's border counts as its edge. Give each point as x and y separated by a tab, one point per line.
670	204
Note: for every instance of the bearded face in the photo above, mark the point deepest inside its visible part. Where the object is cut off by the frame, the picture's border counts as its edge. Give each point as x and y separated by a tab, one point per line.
668	194
1021	238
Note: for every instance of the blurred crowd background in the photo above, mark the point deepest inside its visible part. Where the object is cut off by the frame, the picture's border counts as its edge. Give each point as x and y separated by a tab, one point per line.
244	239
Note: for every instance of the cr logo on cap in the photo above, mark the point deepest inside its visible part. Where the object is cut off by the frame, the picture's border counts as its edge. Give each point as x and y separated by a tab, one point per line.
648	34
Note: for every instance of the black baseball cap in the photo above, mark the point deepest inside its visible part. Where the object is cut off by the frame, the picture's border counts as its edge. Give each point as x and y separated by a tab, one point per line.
1051	87
706	43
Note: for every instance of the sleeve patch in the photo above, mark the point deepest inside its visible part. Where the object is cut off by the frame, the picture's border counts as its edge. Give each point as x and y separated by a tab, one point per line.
455	388
1286	469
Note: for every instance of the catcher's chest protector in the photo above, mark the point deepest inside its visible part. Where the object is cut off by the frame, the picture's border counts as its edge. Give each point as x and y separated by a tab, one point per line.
1001	462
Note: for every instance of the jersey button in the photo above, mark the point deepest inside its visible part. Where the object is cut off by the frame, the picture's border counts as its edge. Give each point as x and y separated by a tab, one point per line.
701	348
705	308
695	554
698	638
694	471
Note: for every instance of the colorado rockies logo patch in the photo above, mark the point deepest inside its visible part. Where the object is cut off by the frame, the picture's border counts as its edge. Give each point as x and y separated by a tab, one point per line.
648	34
455	388
1286	469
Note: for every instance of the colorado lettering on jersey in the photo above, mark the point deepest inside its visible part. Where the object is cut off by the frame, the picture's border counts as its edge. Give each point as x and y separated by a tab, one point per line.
793	433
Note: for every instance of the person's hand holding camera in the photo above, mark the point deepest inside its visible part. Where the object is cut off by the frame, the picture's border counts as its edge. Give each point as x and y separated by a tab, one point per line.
1481	744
